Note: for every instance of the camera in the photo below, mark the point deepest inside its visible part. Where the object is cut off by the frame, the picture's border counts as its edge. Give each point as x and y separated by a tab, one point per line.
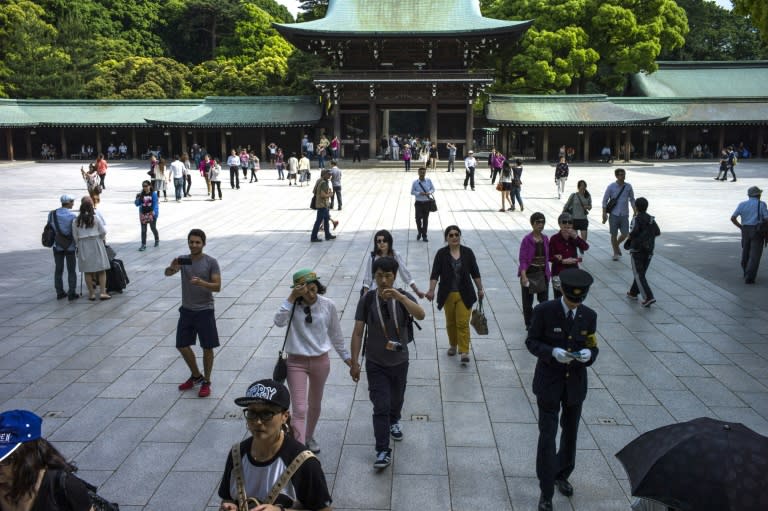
184	261
394	345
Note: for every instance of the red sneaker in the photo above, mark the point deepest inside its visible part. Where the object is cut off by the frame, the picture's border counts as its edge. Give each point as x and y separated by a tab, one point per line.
205	389
191	382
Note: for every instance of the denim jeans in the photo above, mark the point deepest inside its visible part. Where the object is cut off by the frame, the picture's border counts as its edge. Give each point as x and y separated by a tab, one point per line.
178	187
59	257
323	217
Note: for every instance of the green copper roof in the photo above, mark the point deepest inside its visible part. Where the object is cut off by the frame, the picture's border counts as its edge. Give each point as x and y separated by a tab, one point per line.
388	18
210	112
704	79
701	111
561	110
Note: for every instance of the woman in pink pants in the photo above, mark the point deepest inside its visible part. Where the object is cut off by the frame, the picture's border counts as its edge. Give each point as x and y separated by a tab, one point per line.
313	331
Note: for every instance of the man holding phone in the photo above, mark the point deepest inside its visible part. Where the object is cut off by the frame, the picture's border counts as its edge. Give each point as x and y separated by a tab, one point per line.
200	278
562	337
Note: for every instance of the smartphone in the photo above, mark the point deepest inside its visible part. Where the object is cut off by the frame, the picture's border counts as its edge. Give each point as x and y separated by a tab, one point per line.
184	260
572	354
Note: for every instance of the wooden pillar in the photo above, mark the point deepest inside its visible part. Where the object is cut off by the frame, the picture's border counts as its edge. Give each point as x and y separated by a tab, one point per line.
263	144
616	142
336	122
470	128
545	145
683	152
63	144
628	145
183	135
373	137
169	143
760	142
98	142
385	124
134	145
586	144
28	140
433	120
224	153
645	144
9	143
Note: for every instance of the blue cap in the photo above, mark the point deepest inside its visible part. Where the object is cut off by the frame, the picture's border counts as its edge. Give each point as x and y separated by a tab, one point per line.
17	427
66	198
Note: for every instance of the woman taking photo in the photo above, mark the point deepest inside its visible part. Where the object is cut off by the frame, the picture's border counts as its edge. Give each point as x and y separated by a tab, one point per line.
534	266
455	267
578	205
89	232
32	470
262	458
382	247
149	210
314	330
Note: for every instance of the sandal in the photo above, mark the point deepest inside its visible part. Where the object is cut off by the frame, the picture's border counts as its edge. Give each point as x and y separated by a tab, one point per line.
104	297
451	351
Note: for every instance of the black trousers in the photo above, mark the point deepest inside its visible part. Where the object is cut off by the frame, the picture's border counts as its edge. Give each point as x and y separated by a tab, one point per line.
336	195
59	258
214	186
187	184
751	251
470	177
386	390
640	263
422	217
153	226
527	299
494	172
234	176
356	155
551	465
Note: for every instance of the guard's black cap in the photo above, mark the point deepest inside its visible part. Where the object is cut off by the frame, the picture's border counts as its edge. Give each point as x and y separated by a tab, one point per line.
575	284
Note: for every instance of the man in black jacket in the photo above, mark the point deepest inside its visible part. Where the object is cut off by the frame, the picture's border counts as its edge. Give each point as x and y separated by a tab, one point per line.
562	336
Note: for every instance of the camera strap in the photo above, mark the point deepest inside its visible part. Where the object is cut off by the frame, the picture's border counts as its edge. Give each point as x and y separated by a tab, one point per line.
381	318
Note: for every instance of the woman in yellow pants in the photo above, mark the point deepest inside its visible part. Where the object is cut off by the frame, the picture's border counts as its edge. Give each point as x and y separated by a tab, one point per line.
455	267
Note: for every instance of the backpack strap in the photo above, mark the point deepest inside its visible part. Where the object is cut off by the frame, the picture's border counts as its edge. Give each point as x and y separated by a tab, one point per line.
237	471
297	462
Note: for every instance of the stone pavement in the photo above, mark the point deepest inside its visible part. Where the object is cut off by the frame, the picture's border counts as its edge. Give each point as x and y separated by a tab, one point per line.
104	374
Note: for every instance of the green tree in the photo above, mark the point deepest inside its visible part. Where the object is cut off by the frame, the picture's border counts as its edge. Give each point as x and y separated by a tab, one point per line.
585	45
717	34
140	77
757	10
196	27
28	59
312	10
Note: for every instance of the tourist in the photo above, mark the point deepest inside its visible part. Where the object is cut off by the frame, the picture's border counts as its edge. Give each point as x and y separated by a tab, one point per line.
89	234
149	211
382	247
534	269
578	205
422	188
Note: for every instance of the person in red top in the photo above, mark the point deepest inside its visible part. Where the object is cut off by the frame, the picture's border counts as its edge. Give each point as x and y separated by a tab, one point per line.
564	250
101	169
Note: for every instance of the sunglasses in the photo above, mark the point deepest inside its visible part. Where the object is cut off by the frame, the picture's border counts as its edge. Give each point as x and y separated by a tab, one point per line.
381	240
308	312
453	234
262	416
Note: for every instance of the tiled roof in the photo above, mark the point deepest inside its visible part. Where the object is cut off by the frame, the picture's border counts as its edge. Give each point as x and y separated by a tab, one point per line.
212	111
704	80
703	111
561	110
365	18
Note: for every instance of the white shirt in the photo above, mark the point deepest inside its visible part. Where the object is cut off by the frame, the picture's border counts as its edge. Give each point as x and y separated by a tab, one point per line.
316	338
177	169
470	161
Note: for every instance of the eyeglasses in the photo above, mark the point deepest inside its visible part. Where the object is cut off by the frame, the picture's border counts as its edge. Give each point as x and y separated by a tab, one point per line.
262	415
453	234
308	312
380	240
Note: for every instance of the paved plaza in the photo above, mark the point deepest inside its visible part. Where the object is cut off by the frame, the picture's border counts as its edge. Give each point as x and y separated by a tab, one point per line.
104	374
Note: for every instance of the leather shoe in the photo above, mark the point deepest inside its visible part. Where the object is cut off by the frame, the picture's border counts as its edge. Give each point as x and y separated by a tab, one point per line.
545	504
564	487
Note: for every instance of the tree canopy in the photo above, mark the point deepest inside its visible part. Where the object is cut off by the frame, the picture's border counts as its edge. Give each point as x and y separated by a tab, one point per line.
757	10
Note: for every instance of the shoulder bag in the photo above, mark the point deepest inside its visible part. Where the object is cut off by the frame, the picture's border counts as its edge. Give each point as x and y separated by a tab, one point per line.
244	503
431	202
613	201
478	320
537	282
280	372
49	234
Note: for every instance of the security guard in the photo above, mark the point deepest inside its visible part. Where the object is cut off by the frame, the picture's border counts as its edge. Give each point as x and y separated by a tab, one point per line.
562	336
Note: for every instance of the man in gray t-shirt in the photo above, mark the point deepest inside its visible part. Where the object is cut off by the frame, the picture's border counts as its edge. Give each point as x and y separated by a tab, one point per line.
200	278
385	311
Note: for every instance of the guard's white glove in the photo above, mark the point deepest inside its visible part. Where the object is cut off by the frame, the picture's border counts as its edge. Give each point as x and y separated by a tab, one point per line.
584	356
561	356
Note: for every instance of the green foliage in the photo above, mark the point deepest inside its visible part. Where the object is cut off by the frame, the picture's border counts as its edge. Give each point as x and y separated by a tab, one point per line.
757	10
312	10
140	77
585	45
717	34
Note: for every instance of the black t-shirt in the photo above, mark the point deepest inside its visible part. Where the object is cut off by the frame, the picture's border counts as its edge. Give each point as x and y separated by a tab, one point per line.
74	497
307	485
375	348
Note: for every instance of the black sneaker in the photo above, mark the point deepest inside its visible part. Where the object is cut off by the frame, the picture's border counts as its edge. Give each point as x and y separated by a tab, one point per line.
61	295
73	297
383	459
396	431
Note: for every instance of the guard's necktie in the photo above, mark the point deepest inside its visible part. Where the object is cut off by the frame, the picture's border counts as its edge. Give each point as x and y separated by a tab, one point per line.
569	320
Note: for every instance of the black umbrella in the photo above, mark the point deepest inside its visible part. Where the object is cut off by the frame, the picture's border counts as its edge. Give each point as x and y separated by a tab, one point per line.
700	465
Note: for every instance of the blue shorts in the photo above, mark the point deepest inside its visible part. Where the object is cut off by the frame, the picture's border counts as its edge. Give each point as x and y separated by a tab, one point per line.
618	223
194	324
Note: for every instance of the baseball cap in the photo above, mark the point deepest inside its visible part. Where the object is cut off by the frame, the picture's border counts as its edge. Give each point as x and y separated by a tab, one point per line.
304	276
66	198
266	391
17	427
754	191
471	152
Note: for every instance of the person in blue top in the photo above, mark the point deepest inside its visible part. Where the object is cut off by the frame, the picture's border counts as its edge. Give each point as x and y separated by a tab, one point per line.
149	210
423	189
64	248
618	197
752	212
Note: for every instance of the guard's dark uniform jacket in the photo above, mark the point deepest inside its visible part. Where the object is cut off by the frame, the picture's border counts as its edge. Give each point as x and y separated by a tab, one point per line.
549	330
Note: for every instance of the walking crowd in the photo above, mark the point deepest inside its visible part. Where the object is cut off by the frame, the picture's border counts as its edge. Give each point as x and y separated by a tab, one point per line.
277	466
